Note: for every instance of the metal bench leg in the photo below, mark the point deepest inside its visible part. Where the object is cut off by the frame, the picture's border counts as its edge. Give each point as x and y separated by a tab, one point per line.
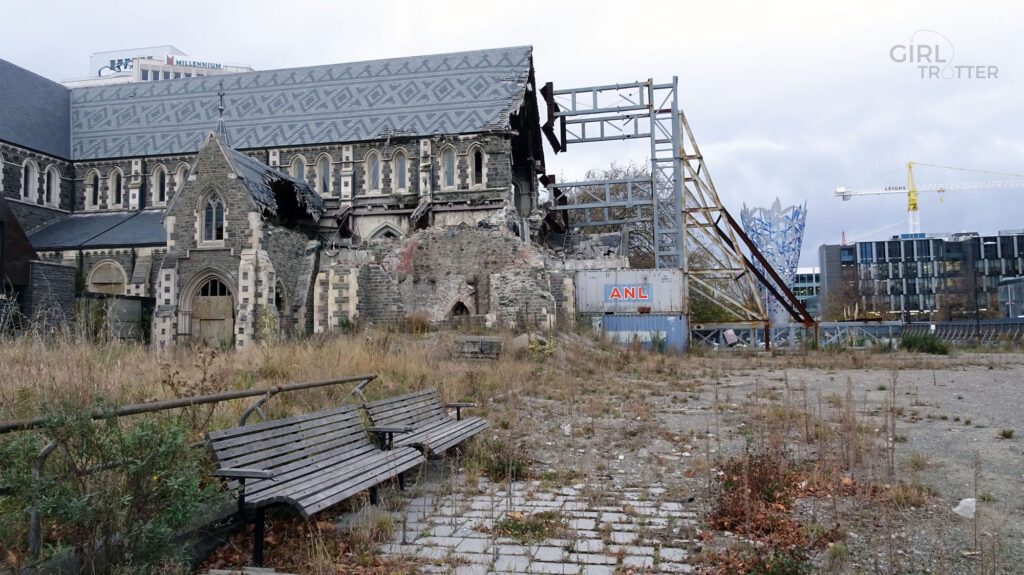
257	540
401	481
374	500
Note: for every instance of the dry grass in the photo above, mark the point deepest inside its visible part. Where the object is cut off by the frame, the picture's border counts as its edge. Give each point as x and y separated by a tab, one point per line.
36	372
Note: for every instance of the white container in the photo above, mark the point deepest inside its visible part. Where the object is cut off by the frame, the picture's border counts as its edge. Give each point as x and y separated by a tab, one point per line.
629	291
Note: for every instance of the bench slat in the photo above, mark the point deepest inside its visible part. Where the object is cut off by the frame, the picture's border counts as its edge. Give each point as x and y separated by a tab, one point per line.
284	439
337	473
290	442
305	468
435	429
398	464
277	431
440	438
422	405
318	459
254	427
281	461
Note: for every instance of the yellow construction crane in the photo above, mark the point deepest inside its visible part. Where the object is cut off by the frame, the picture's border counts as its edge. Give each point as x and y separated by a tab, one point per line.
912	190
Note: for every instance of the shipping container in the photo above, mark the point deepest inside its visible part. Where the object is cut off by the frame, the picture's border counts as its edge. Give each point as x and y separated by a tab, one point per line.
661	332
629	291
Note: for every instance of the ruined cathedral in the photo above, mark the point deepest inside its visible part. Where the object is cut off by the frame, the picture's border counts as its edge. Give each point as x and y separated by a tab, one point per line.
297	200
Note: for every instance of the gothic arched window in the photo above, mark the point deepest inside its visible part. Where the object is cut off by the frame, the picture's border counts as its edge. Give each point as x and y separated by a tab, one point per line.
213	219
52	193
448	169
323	176
401	171
117	188
298	168
160	185
29	181
477	157
373	179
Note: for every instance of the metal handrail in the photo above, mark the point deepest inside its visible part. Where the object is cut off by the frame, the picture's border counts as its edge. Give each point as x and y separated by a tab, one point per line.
149	407
34	531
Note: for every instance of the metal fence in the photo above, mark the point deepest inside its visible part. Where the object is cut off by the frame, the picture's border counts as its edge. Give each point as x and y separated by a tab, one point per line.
985	331
854	334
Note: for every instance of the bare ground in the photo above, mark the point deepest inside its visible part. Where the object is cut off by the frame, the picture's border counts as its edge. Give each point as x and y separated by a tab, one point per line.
677	428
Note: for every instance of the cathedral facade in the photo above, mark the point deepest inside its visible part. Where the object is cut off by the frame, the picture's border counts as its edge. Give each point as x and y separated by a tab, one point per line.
259	202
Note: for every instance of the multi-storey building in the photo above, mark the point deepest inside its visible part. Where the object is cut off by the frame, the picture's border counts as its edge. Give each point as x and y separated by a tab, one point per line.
919	277
807	287
152	64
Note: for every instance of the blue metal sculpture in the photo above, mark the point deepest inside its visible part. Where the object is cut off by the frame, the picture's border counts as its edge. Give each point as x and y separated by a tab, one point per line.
779	234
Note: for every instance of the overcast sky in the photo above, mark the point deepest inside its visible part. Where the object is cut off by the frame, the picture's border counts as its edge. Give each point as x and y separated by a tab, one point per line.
785	99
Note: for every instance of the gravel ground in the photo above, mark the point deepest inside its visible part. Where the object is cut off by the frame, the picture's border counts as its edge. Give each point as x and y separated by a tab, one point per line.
950	411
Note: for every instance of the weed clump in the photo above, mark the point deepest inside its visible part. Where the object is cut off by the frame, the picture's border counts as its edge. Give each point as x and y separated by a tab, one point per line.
924	343
531	528
498	460
754	499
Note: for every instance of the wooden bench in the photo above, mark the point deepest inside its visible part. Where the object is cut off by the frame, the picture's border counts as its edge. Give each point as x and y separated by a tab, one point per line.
430	426
309	462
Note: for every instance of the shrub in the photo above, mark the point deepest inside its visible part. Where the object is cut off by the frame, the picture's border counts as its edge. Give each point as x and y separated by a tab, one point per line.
924	343
1006	434
756	493
117	491
415	323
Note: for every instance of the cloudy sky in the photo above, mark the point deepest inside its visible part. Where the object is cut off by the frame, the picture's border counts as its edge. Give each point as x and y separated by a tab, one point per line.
787	100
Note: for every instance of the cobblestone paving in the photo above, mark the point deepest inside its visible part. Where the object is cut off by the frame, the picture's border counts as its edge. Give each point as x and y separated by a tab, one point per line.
641	532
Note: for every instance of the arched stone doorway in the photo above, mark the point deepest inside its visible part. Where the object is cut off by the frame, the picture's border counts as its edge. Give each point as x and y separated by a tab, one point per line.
459	310
107	277
213	312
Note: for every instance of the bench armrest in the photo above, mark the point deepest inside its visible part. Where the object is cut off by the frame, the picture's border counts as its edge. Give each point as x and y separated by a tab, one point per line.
242	473
387	433
390	429
458	408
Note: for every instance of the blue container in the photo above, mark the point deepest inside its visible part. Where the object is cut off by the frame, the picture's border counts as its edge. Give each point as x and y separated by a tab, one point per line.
667	331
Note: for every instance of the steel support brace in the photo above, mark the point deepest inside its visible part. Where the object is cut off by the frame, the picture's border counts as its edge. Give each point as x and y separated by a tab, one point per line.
679	200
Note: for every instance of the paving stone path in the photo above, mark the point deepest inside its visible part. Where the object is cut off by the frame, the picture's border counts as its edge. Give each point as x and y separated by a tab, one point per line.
631	531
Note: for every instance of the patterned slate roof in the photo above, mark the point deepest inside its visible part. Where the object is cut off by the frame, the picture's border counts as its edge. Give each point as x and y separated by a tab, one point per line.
34	111
101	229
462	92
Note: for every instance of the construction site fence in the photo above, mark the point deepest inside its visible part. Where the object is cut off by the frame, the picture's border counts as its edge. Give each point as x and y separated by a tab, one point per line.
852	334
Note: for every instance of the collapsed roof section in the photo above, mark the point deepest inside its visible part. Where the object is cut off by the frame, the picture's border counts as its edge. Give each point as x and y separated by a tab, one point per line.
269	187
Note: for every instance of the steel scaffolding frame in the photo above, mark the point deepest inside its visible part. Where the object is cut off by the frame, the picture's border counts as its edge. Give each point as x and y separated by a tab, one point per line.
678	199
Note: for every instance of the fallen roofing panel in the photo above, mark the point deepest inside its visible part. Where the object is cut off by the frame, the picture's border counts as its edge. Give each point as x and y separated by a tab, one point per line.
258	177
